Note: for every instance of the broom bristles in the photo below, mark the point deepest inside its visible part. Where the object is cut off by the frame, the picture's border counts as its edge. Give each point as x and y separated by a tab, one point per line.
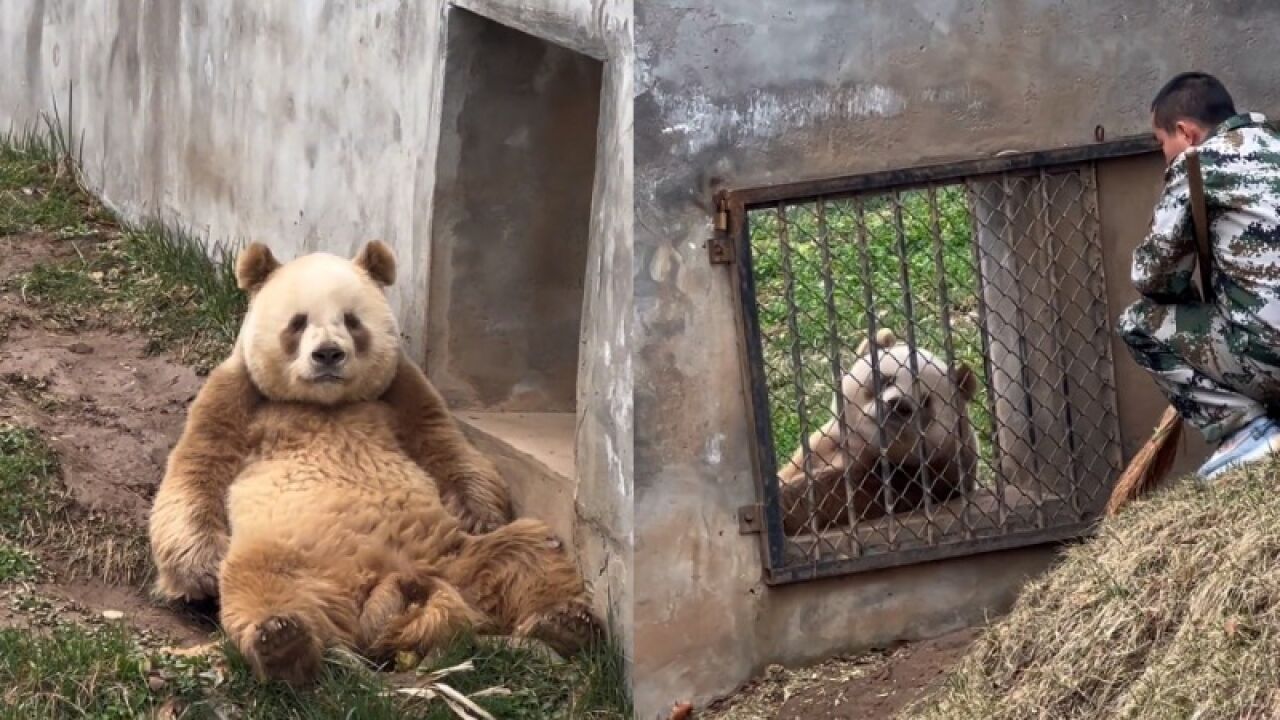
1151	465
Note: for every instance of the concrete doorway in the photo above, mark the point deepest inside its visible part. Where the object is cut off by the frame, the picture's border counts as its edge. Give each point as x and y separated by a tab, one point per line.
515	174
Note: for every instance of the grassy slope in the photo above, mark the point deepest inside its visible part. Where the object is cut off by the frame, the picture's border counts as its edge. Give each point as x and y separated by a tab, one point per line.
169	285
1173	611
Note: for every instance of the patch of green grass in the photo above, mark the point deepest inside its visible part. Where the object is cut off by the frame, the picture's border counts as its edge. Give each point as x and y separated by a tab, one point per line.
36	514
541	685
39	190
605	689
16	563
174	286
183	291
533	685
76	672
66	292
72	673
103	672
68	283
179	288
343	690
28	480
159	278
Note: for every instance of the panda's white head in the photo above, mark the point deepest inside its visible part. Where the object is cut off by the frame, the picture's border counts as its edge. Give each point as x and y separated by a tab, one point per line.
319	328
913	390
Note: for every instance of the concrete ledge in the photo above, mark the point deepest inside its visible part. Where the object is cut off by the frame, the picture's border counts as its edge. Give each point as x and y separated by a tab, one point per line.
534	452
576	24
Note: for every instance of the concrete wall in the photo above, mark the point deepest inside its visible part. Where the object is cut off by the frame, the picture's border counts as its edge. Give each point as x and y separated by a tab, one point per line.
512	218
314	125
742	92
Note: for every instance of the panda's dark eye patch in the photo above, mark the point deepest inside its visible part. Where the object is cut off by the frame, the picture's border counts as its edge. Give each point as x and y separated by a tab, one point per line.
359	333
291	336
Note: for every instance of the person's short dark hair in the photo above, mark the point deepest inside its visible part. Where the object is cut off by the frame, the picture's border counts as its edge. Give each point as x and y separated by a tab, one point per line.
1193	96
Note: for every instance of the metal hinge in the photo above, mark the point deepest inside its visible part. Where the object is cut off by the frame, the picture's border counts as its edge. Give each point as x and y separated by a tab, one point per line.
719	246
750	519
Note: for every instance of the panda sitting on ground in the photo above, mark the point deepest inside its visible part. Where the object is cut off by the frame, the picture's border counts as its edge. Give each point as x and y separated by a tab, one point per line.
322	492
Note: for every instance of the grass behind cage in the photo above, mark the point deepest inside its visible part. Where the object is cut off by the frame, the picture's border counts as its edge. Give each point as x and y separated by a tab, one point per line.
792	246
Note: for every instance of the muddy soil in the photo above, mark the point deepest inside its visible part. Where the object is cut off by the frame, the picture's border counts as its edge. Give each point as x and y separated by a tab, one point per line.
875	686
111	412
907	675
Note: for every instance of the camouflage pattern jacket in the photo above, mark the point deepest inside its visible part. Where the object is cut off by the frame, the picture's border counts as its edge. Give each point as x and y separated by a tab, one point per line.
1240	163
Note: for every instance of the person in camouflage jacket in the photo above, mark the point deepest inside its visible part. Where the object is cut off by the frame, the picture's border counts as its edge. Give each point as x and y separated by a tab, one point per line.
1218	362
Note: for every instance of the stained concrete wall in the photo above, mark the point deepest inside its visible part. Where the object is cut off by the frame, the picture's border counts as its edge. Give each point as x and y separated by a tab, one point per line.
512	218
313	125
744	93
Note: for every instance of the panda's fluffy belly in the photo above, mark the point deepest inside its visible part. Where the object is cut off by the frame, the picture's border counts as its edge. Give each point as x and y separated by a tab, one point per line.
334	483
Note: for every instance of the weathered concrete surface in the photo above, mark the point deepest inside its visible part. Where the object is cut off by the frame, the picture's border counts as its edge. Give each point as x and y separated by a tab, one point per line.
592	29
307	125
604	435
314	125
537	449
745	93
512	217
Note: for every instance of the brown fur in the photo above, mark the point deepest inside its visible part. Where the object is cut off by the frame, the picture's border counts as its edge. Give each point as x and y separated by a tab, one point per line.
340	518
376	259
253	266
189	531
470	485
844	459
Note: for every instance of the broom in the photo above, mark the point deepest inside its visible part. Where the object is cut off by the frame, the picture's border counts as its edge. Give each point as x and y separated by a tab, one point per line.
1151	465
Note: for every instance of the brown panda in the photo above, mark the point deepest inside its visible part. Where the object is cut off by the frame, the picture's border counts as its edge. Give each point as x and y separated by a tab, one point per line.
324	493
929	439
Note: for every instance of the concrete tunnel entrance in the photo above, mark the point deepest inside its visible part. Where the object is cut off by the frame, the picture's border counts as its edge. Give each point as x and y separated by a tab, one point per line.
512	211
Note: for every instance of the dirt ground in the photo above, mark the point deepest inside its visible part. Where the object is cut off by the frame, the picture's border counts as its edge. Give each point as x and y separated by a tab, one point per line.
109	410
875	686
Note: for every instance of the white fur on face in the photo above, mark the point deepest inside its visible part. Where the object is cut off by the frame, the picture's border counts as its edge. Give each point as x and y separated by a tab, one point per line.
932	393
320	301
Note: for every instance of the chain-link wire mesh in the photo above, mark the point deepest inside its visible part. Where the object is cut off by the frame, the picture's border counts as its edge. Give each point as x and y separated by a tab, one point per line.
985	409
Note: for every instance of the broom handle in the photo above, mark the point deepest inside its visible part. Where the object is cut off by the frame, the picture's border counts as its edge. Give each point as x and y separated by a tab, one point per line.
1200	221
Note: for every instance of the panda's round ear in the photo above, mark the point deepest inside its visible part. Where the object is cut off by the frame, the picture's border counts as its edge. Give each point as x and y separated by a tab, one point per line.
884	339
253	266
967	381
377	259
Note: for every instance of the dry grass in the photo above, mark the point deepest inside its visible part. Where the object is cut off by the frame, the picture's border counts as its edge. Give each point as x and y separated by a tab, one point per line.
1173	611
764	696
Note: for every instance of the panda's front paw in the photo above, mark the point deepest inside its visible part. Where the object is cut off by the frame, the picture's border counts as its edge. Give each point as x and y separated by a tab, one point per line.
474	518
192	574
479	525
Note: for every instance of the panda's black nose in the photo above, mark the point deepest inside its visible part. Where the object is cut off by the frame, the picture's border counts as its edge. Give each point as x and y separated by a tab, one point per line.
328	355
900	406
